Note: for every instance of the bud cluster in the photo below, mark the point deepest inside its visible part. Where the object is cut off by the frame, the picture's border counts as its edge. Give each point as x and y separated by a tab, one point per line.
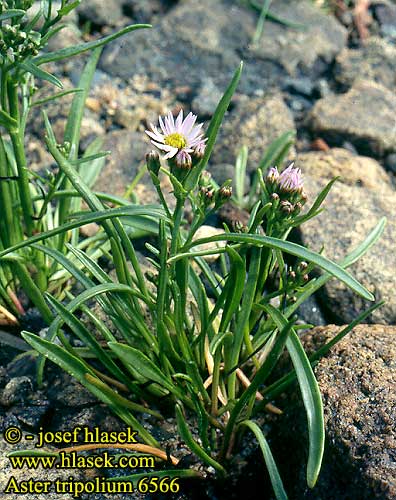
286	190
209	195
16	44
298	276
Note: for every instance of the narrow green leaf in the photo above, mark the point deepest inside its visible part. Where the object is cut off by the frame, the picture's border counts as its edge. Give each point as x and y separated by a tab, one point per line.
313	211
193	445
311	397
275	478
143	365
54	97
261	21
79	369
86	337
66	9
214	127
291	248
240	174
87	219
277	150
79	49
7	121
11	13
40	73
178	473
120	399
58	355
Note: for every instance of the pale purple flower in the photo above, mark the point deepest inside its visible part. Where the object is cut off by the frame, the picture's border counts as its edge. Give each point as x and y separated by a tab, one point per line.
290	180
178	137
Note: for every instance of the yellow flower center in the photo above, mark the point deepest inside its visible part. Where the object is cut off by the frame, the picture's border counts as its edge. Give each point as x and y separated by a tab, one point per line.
176	140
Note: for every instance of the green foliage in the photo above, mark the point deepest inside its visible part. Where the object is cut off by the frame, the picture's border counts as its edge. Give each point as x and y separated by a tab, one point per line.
202	339
32	204
170	340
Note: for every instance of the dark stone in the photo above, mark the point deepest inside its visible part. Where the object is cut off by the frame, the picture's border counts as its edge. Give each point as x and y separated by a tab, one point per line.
311	313
100	13
390	162
207	39
65	391
20	366
16	391
303	86
385	13
31	416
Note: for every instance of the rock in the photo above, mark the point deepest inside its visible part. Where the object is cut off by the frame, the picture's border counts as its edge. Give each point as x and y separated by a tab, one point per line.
357	381
222	172
16	391
255	123
128	151
101	13
67	392
142	11
350	117
375	60
70	35
56	5
306	49
390	162
354	170
216	34
31	416
207	232
385	13
353	208
310	312
208	97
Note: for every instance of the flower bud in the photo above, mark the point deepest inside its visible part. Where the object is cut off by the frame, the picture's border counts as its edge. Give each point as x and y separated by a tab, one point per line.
183	160
199	150
225	192
239	227
205	178
153	162
272	176
286	207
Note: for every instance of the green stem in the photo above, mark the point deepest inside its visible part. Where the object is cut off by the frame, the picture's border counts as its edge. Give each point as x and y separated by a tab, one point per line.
20	158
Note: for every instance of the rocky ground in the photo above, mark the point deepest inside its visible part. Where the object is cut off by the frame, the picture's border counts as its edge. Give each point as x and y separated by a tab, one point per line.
336	90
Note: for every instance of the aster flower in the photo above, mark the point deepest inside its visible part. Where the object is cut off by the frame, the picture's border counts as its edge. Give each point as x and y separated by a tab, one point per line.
290	180
178	138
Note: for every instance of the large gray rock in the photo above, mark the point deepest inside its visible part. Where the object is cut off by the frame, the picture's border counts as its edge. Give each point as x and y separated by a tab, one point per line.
197	40
101	13
128	150
375	60
364	116
255	123
357	381
353	208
